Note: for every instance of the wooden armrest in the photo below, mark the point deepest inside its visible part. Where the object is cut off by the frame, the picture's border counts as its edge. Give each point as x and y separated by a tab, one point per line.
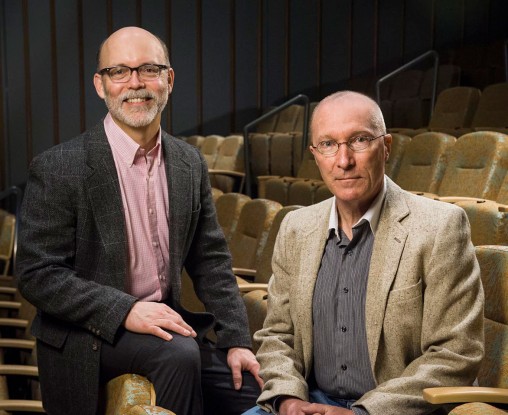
459	394
23	370
14	322
17	343
11	305
8	290
251	286
454	199
21	405
244	272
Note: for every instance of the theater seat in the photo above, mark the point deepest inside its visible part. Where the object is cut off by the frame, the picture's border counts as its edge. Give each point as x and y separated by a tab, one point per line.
492	379
399	142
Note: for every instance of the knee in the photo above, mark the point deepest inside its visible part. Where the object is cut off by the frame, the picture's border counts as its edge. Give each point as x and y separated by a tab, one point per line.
182	354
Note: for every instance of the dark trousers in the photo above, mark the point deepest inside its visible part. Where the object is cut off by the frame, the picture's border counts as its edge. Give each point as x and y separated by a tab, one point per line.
189	377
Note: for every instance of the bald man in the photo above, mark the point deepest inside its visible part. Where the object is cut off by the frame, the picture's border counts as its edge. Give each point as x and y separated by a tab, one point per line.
376	292
109	220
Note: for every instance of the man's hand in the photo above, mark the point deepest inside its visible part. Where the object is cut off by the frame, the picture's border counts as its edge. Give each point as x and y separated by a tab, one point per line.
151	318
294	406
240	359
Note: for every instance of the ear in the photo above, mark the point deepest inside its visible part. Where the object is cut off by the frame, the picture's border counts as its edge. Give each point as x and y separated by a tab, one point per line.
388	146
99	86
171	79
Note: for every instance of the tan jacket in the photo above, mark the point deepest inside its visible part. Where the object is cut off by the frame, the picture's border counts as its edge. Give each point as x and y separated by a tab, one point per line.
424	308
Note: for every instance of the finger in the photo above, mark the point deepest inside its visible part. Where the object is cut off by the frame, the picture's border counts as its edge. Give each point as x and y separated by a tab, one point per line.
237	376
184	330
163	334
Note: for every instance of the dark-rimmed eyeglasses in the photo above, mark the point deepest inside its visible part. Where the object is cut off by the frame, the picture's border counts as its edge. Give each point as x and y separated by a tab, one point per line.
331	147
122	73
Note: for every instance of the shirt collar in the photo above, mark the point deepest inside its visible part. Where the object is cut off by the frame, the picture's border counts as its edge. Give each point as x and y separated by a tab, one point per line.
371	216
125	146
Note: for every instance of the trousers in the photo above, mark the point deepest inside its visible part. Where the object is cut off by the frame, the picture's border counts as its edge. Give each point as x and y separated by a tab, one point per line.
190	377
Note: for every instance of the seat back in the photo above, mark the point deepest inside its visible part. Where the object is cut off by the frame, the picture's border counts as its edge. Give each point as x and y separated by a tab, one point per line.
7	233
249	236
210	149
476	166
455	108
195	140
423	164
492	109
288	119
489	221
399	142
229	157
229	206
502	197
493	262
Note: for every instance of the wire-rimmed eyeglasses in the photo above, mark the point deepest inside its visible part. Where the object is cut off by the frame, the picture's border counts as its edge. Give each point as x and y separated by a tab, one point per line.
122	73
358	143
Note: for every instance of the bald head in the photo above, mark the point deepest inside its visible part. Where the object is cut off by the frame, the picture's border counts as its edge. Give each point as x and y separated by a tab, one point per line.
126	36
355	102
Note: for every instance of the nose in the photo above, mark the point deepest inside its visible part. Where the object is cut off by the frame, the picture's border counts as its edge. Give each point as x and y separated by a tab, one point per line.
344	157
135	82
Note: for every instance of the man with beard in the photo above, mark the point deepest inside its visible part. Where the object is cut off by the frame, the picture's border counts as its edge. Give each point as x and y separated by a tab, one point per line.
109	220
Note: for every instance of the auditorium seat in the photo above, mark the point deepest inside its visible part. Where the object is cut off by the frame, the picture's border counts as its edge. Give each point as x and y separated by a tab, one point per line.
195	140
476	166
492	379
229	207
210	148
256	304
454	111
277	187
7	234
250	279
423	164
227	171
399	143
492	111
322	193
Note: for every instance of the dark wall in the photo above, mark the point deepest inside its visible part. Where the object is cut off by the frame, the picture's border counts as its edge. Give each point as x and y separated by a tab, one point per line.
232	58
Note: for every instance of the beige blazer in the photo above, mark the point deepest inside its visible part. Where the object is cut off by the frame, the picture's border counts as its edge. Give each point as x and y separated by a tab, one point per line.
424	308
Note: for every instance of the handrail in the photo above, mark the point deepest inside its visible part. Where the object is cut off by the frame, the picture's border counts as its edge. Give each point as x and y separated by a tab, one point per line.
416	60
248	127
17	193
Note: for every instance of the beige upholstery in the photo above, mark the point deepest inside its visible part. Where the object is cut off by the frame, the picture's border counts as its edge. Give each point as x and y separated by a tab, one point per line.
210	148
251	232
399	142
226	172
502	196
493	376
7	232
423	163
256	305
263	271
322	193
476	166
492	111
195	140
229	206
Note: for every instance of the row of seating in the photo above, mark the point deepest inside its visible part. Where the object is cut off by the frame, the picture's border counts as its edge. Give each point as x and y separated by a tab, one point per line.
460	110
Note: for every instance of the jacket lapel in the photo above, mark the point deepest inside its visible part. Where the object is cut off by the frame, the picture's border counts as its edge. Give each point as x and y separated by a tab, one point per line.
389	244
105	198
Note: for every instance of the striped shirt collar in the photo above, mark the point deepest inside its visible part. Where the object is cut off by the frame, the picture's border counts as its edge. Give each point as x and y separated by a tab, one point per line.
125	146
371	216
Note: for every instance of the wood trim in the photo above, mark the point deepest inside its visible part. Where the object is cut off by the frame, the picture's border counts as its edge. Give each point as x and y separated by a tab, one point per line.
199	64
287	46
260	37
81	68
3	153
375	40
232	64
319	51
169	107
139	14
109	16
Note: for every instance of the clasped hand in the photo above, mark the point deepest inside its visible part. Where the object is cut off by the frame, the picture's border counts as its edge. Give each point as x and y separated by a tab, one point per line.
293	406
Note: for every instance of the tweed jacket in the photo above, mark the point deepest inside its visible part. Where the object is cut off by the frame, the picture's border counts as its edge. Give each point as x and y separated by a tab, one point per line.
72	261
424	305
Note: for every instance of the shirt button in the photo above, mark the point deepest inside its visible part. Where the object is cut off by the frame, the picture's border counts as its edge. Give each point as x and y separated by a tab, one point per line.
343	367
350	253
150	211
346	290
155	244
161	277
94	346
343	329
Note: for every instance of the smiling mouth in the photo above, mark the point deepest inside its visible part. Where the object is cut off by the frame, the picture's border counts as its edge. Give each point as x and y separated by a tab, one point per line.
137	100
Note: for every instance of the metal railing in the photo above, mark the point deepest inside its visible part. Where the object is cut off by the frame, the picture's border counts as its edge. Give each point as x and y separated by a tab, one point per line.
16	193
426	55
248	127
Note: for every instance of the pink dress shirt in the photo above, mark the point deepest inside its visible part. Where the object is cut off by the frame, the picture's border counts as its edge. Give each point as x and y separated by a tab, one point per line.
143	183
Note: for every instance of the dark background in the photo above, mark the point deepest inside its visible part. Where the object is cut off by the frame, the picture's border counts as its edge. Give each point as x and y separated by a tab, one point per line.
232	58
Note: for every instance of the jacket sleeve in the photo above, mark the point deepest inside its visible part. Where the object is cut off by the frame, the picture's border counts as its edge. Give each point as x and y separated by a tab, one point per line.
47	273
208	262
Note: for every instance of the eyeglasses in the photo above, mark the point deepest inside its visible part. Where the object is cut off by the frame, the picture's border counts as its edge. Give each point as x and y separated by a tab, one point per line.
331	147
122	73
